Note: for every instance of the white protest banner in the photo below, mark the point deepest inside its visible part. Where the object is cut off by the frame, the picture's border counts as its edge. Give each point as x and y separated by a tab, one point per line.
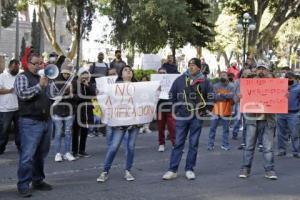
102	83
166	81
151	61
125	104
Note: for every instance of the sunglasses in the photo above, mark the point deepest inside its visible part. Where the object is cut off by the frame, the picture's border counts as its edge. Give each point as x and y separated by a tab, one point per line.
35	64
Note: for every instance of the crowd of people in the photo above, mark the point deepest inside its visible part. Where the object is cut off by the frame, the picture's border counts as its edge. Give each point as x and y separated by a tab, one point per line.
31	102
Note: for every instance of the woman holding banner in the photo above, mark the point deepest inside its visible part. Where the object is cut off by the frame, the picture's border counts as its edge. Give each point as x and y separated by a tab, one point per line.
117	135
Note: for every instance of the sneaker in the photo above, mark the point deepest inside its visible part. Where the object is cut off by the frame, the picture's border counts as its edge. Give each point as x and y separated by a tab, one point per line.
242	147
260	148
190	175
244	173
103	177
69	157
43	186
91	135
161	148
24	193
147	130
281	153
84	154
225	148
210	148
58	158
271	175
141	130
169	175
128	176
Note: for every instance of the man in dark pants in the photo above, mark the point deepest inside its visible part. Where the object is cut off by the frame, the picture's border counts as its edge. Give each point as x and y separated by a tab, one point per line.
8	104
34	110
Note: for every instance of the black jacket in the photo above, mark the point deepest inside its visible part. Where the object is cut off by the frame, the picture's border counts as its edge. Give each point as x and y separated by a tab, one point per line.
67	106
84	104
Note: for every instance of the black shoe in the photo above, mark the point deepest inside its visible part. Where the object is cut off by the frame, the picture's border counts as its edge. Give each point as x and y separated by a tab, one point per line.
24	193
43	186
234	137
84	154
296	155
242	147
281	153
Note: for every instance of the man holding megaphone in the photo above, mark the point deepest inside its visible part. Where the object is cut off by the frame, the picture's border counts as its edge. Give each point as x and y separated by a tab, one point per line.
34	110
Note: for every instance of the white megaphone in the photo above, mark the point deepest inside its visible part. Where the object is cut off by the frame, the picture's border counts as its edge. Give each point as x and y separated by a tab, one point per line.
51	71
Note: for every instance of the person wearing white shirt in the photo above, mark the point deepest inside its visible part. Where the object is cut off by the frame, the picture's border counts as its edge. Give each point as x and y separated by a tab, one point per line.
8	104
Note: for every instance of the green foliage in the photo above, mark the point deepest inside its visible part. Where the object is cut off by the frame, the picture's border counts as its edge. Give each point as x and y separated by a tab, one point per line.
151	24
9	12
23	46
227	37
35	34
139	73
83	9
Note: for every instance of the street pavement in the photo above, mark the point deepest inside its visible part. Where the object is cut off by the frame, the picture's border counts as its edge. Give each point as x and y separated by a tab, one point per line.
216	175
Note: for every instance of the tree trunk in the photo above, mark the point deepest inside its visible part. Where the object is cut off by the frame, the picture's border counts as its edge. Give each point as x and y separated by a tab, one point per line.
218	61
17	37
173	48
199	52
48	23
73	48
267	38
130	56
226	58
253	35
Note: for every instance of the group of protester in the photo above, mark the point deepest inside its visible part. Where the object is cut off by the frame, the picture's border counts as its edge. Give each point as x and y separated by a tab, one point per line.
26	99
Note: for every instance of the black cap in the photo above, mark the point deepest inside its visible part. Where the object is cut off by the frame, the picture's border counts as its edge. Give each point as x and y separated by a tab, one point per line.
53	54
290	75
195	61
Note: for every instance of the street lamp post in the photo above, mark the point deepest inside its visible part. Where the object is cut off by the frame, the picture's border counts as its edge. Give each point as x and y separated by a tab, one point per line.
245	24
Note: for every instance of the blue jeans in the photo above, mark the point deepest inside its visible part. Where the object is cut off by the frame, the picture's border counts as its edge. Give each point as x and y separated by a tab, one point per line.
288	124
109	130
267	141
35	145
183	128
97	122
116	137
260	132
237	121
213	127
244	130
67	124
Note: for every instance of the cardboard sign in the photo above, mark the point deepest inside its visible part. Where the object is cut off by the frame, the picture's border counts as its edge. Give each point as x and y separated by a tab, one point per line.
166	81
151	61
125	104
264	95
